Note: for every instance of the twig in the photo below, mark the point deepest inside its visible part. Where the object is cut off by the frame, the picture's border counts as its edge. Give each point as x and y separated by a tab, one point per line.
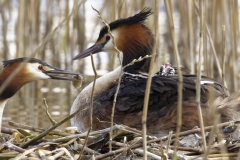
8	155
120	76
198	82
14	147
94	82
61	153
148	86
223	155
119	144
67	138
23	126
169	140
234	44
58	155
8	130
110	153
190	37
40	136
124	152
42	154
149	154
224	57
91	106
29	151
35	129
180	79
121	151
88	150
189	149
46	110
137	60
212	133
68	143
211	41
214	51
2	144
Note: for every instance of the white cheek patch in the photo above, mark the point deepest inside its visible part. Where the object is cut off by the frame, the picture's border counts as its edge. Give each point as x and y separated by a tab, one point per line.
109	45
33	69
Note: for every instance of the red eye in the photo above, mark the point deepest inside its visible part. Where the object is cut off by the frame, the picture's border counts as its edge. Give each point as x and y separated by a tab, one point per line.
40	68
107	37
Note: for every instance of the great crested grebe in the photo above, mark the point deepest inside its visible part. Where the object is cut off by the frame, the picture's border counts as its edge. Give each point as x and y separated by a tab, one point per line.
136	40
31	69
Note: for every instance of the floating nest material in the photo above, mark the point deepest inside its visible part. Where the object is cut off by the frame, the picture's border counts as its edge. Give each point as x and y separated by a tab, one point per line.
40	143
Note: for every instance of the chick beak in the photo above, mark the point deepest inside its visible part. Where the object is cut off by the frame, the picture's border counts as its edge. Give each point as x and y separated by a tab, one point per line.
58	74
92	50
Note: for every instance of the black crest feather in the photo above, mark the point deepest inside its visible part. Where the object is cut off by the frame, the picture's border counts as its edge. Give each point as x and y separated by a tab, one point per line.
137	18
23	59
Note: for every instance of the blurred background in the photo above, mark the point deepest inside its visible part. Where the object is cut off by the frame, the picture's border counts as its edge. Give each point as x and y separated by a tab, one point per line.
56	30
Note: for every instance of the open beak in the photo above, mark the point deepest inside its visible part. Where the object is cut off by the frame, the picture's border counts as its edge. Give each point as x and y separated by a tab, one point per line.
93	49
60	74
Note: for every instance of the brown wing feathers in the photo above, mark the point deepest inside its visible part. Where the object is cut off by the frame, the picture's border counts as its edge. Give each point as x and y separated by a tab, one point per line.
163	92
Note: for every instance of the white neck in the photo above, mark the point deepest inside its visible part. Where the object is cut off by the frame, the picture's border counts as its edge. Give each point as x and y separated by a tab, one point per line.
2	105
102	84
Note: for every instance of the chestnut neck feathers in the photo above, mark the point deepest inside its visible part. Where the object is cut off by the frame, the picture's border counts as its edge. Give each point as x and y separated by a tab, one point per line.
21	78
134	39
27	70
16	83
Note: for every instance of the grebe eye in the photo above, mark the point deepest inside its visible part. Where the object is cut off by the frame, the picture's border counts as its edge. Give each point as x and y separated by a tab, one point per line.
107	37
40	67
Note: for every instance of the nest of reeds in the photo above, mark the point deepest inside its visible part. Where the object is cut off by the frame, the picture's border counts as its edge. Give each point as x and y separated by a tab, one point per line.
39	143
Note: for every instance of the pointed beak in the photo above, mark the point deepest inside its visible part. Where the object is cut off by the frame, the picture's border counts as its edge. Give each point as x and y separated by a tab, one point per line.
60	74
93	49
